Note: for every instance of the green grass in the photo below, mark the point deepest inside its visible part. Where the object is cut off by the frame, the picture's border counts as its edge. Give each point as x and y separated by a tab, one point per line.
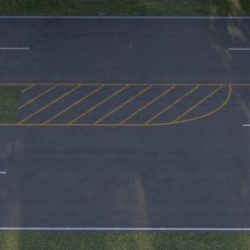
9	97
124	241
124	7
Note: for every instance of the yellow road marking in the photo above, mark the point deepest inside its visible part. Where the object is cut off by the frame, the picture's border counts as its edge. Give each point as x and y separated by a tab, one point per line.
230	91
28	88
148	104
171	105
178	120
131	84
49	104
74	104
37	97
122	105
197	104
97	105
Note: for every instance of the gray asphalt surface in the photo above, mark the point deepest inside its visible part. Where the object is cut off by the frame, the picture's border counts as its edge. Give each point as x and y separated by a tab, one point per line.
193	175
124	50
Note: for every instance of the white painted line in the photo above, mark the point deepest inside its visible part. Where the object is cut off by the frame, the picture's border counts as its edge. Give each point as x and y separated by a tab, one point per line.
239	49
124	17
117	229
246	125
3	172
14	48
120	229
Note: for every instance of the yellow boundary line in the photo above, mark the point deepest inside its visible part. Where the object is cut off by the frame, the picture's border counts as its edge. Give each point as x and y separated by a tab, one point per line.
130	84
224	103
229	94
197	104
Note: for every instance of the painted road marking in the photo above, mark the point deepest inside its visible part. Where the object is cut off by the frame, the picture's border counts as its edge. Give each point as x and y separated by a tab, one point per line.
37	97
98	104
246	125
126	17
147	104
172	105
3	172
130	84
147	88
14	48
239	49
74	104
122	105
27	88
197	104
50	103
202	229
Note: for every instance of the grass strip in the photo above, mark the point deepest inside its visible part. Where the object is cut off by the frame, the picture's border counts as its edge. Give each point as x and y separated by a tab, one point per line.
124	7
124	241
9	97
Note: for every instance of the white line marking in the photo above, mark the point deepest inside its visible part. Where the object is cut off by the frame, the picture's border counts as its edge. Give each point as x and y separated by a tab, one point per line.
3	172
246	125
118	229
124	17
238	49
14	48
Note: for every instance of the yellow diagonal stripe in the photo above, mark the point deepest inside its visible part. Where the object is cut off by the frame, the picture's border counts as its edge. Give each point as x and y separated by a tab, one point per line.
97	105
74	104
27	88
171	105
37	97
49	104
147	104
197	104
122	105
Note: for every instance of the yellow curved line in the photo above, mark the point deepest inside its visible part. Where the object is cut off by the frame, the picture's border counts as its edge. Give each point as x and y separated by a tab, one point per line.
229	94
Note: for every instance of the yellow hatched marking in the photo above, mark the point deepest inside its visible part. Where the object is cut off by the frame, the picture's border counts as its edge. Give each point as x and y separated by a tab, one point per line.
28	88
122	105
172	104
97	105
37	97
49	104
197	104
74	104
147	104
225	102
177	120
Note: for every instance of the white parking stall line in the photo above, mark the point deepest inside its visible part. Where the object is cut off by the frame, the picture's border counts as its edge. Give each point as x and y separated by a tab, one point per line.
239	49
14	48
118	229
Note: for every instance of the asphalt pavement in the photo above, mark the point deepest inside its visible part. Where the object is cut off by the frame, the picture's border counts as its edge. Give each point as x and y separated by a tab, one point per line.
192	175
124	50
